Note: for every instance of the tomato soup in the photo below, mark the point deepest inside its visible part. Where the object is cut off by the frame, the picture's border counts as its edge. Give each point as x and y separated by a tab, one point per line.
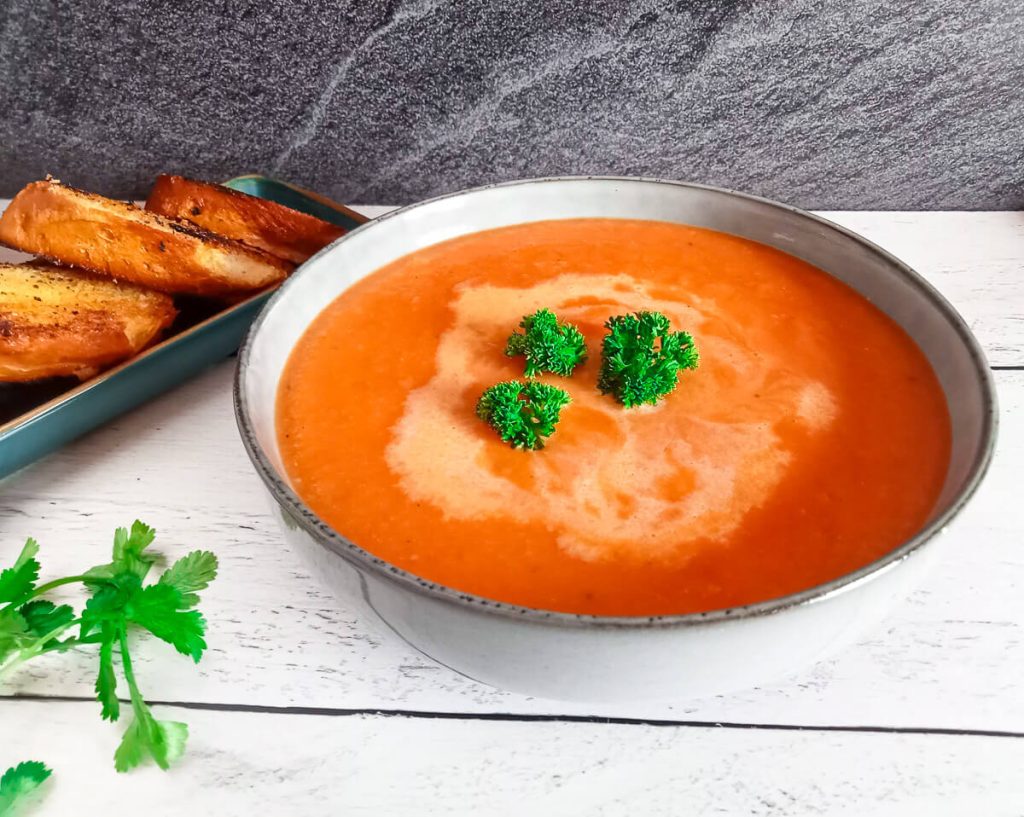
813	438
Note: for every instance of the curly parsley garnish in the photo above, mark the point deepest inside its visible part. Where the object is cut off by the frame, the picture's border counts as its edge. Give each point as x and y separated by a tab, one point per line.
118	603
641	359
522	413
547	344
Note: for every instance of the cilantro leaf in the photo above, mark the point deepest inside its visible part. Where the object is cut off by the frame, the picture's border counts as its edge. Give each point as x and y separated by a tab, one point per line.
18	581
14	633
641	359
161	609
190	574
31	630
19	781
128	547
108	601
547	344
523	414
31	626
128	553
44	617
106	681
164	741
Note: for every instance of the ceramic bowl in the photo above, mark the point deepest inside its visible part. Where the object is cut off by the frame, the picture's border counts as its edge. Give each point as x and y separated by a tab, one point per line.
585	657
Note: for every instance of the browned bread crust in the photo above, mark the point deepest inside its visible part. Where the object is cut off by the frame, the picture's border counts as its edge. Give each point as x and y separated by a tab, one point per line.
271	227
59	322
121	241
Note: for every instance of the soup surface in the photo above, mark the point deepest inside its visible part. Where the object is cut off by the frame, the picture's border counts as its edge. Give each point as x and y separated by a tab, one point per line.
813	438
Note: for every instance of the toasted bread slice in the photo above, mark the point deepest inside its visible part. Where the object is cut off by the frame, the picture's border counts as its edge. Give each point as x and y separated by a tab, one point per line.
272	227
56	322
121	241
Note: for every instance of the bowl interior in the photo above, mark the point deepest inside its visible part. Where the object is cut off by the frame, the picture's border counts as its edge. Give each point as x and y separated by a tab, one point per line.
882	279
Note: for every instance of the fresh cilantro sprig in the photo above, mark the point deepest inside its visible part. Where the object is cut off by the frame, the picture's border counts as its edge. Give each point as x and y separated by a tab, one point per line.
522	413
641	358
547	344
119	602
18	783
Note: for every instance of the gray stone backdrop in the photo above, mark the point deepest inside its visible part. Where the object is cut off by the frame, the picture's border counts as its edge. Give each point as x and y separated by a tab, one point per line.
823	103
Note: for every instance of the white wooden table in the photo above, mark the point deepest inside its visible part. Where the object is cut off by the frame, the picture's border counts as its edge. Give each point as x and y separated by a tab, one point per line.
300	708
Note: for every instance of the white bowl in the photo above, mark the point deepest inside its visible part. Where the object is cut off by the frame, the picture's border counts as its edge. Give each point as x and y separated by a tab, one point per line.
585	657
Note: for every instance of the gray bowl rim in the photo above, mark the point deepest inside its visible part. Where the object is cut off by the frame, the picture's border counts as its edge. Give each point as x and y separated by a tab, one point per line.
336	543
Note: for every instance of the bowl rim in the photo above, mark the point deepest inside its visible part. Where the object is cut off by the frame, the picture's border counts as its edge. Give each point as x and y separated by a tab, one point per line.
299	513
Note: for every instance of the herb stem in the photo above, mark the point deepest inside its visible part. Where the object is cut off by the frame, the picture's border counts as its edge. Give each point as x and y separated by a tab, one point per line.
44	588
38	647
138	705
11	663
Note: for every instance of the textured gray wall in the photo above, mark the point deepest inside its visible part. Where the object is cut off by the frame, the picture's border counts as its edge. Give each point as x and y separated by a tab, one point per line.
852	104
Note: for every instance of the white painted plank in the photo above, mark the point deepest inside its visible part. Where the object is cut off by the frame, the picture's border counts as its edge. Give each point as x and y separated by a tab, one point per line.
950	657
244	763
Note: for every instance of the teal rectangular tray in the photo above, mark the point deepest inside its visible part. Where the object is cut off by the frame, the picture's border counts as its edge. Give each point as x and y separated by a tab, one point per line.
36	419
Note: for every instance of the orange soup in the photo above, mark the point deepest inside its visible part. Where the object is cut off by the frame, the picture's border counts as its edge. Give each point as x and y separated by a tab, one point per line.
813	438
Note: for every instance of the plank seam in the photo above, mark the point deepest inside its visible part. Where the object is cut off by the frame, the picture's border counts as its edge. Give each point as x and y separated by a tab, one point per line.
512	717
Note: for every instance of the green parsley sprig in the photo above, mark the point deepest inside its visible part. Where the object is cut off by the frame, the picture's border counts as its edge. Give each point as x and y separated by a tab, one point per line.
119	602
641	358
522	413
18	783
547	344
